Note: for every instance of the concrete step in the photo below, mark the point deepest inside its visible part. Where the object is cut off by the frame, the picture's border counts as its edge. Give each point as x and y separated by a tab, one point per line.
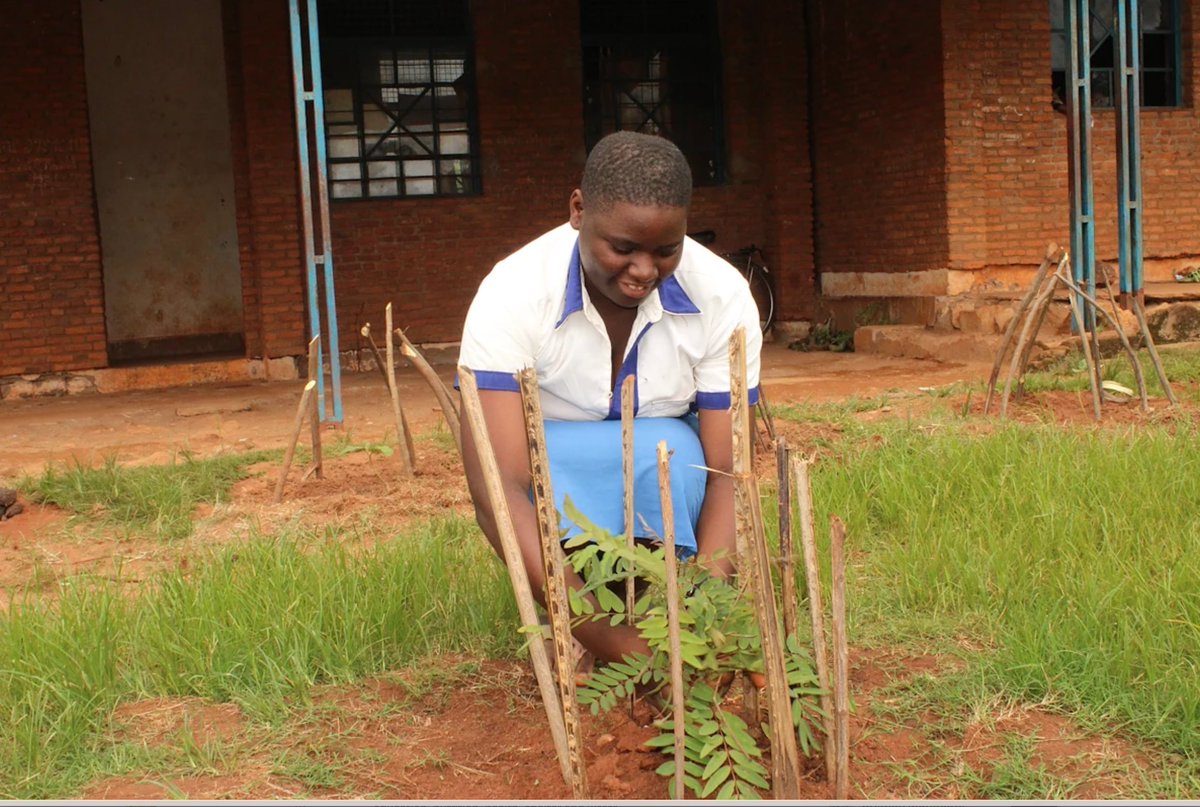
921	342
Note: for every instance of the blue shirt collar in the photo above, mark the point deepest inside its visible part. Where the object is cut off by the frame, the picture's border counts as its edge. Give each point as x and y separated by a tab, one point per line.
671	295
573	300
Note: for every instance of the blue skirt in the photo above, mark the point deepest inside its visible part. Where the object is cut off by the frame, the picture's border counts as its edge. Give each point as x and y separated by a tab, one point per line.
585	466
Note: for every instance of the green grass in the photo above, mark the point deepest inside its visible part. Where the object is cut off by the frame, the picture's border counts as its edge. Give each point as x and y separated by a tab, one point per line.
1076	554
258	625
159	500
1181	365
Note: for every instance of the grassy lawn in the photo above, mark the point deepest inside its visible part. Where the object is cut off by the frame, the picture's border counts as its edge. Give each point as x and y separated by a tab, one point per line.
1058	566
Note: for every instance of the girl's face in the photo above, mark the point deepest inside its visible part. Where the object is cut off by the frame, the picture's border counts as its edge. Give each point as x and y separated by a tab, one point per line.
627	250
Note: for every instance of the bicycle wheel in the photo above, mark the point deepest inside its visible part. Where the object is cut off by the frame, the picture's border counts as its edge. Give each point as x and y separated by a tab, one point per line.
764	296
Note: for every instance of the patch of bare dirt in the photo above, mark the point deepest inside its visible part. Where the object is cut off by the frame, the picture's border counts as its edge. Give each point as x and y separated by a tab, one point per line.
361	484
485	737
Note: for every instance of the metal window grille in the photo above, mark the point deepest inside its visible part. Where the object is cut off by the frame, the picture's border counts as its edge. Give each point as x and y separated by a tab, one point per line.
648	67
399	109
1159	51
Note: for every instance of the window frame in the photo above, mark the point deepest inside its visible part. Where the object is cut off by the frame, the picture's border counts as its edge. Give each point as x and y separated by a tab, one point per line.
649	45
1058	31
367	96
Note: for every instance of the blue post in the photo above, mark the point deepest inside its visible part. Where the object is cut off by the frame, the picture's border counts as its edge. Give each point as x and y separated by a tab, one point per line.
1079	150
1129	167
318	100
303	97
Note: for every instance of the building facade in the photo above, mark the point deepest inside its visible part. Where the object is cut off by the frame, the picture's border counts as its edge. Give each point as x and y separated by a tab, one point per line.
149	196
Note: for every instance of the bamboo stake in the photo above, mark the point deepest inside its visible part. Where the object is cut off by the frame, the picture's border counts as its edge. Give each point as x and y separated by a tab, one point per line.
526	607
297	424
1140	311
841	659
678	716
816	609
556	586
1033	323
314	367
1125	345
1077	312
390	380
440	390
1051	257
785	758
787	569
404	434
627	407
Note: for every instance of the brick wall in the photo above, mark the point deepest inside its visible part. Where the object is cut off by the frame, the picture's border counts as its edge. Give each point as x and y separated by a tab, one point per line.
428	255
880	178
1007	147
52	318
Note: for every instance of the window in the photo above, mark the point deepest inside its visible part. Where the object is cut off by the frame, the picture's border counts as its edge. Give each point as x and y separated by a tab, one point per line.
649	66
399	97
1159	51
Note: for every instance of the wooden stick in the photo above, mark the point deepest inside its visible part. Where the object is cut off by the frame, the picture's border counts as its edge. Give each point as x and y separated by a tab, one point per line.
556	585
1140	311
785	758
301	411
1143	393
628	389
816	608
841	659
526	606
1116	325
678	716
390	380
787	569
314	368
440	390
404	434
1093	375
1033	323
1051	257
743	462
764	410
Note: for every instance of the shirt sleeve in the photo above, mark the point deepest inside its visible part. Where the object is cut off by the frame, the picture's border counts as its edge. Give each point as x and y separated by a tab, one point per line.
712	372
498	336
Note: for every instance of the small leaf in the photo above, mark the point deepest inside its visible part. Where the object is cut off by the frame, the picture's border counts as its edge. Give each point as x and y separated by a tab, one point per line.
714	762
719	776
726	792
754	774
748	793
666	769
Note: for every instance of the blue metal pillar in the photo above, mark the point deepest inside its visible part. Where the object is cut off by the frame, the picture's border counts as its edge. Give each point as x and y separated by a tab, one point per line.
1129	159
304	97
1079	150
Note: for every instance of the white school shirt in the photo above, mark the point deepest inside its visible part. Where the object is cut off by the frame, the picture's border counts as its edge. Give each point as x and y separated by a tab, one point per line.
532	310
